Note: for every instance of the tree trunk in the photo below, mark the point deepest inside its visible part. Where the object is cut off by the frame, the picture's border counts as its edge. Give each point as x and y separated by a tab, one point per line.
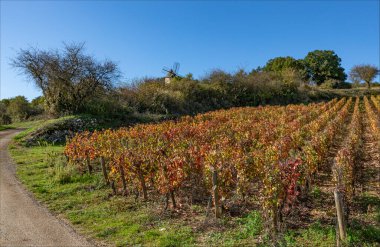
368	84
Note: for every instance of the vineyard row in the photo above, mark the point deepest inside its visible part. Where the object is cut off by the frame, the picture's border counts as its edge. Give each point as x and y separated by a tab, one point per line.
271	153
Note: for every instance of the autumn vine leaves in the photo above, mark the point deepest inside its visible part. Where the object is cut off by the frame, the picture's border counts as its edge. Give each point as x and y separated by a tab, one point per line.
273	152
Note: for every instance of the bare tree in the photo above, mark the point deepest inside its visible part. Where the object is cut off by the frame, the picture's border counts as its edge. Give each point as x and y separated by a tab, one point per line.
67	78
355	79
364	73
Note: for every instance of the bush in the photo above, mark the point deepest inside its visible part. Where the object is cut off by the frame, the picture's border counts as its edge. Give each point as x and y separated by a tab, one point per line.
181	96
37	106
18	108
345	85
260	88
330	84
156	97
216	90
4	117
107	105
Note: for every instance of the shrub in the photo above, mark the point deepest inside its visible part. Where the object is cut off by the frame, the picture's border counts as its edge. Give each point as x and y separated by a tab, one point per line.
18	108
108	105
37	105
330	84
4	117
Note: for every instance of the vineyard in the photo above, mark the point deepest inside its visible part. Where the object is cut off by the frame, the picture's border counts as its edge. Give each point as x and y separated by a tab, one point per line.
269	156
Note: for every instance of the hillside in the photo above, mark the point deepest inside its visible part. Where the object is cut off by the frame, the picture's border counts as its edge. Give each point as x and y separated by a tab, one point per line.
156	181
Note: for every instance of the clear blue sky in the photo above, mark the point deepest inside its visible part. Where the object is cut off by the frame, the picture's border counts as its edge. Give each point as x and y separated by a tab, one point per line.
142	37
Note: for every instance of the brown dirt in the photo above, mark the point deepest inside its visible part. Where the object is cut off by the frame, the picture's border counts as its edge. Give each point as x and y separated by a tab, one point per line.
368	177
321	207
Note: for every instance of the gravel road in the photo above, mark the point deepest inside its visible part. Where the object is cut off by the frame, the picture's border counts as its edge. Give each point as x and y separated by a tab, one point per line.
23	222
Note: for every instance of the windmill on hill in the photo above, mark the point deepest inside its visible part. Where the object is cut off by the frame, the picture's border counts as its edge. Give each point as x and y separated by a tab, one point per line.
171	72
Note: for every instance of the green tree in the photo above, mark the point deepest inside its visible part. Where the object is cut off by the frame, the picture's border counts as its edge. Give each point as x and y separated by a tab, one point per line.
330	84
18	108
279	64
38	105
364	72
323	65
189	76
239	76
5	102
218	76
4	117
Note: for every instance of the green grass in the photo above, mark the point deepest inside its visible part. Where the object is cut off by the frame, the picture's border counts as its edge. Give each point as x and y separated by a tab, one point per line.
324	236
247	232
85	201
315	235
32	126
27	124
2	127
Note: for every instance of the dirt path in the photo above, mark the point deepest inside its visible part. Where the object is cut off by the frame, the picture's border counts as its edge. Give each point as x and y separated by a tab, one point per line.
23	222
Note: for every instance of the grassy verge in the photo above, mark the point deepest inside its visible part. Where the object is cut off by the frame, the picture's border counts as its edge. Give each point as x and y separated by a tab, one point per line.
31	126
2	127
27	124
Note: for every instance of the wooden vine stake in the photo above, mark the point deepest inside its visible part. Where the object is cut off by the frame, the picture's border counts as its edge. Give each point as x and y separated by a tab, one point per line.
89	166
142	182
340	216
121	170
215	194
341	223
104	169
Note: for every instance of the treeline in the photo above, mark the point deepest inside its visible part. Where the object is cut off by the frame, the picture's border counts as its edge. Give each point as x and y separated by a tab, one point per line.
18	109
73	82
